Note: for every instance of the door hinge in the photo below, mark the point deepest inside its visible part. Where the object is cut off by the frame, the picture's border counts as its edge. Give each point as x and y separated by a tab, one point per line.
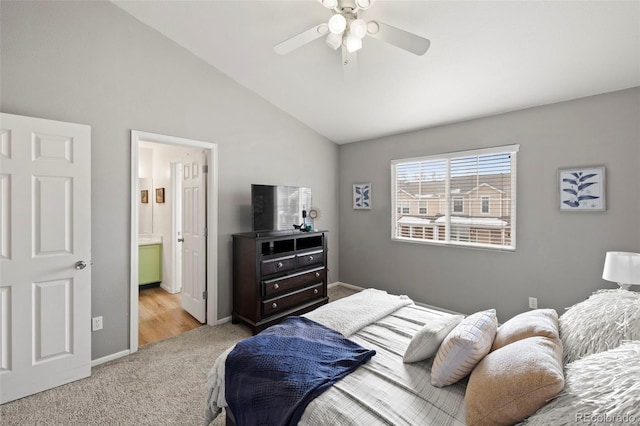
206	232
205	168
205	295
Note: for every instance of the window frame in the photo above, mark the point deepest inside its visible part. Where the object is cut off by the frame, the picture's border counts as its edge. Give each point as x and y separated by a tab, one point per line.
448	198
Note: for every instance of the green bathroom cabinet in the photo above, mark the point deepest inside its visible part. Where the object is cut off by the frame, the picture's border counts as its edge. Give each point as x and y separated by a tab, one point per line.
149	264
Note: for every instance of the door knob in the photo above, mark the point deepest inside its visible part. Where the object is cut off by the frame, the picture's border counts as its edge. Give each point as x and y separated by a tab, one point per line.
80	264
181	240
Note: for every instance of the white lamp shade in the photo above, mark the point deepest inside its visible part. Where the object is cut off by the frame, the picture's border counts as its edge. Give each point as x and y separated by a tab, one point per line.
353	43
358	28
337	24
622	267
329	4
334	40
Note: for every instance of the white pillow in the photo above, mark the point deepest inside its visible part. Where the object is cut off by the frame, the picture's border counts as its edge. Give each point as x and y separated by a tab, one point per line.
600	323
601	388
427	340
464	347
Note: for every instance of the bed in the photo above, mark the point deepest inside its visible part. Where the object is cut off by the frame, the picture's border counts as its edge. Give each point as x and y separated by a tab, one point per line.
391	389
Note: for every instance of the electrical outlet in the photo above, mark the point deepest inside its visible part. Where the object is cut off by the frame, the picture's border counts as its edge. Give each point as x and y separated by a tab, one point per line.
96	323
533	303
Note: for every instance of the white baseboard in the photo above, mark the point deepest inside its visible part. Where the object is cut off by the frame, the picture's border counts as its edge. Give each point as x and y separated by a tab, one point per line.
111	357
223	320
351	286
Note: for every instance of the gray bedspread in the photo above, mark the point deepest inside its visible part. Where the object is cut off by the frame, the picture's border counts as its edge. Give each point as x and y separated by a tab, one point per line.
385	390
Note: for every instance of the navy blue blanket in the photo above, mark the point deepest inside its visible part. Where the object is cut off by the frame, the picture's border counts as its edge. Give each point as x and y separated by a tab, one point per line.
270	378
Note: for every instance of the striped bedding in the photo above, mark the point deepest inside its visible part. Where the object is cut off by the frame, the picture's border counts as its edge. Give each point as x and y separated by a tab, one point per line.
384	391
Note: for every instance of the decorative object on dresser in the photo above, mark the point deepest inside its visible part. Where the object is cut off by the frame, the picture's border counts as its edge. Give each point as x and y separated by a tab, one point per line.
622	268
276	275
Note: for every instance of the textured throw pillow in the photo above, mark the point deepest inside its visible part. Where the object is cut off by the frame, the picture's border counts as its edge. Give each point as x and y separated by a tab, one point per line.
600	323
427	340
600	388
464	347
539	322
511	383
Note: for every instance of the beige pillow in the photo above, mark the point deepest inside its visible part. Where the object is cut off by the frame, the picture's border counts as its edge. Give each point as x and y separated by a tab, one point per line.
464	347
510	384
427	340
539	322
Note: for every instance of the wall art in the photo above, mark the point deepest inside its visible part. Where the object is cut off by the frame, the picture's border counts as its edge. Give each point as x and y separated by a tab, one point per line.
582	189
362	196
159	195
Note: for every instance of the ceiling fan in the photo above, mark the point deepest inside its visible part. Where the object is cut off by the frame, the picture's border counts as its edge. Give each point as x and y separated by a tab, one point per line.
346	29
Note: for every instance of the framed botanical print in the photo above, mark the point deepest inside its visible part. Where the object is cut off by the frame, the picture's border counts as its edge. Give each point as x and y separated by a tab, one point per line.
362	196
582	189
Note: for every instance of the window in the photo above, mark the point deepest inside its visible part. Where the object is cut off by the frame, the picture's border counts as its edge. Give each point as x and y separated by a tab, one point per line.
424	207
485	205
458	203
465	198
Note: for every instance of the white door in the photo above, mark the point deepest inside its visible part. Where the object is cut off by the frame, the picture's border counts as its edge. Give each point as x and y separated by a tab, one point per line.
194	235
45	225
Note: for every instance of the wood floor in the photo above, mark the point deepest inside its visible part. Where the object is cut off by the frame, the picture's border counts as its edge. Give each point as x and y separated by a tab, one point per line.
161	316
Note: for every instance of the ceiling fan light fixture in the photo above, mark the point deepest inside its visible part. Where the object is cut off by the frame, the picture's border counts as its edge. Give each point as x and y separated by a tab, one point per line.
329	4
352	43
363	4
334	41
358	28
337	24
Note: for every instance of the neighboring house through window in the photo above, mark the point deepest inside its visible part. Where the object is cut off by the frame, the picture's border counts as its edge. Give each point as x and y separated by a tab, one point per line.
462	198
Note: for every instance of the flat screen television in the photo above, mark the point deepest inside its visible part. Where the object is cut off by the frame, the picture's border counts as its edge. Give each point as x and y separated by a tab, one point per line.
278	207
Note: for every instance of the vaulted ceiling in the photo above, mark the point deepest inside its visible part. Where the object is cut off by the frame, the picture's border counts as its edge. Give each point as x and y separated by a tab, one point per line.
486	57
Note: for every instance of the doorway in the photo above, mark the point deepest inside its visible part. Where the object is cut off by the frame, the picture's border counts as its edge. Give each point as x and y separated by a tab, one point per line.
179	156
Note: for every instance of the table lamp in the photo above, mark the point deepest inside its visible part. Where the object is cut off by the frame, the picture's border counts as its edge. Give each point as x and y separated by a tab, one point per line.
623	268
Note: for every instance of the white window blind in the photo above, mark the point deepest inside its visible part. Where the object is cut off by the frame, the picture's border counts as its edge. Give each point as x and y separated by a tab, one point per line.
470	198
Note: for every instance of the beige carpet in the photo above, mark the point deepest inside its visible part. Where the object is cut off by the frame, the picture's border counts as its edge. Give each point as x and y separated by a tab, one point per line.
161	384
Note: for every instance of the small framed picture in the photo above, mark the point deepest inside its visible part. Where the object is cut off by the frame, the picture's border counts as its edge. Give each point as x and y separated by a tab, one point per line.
582	189
144	196
159	195
362	196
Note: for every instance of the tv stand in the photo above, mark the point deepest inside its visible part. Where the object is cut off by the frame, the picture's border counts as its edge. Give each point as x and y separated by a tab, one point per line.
276	275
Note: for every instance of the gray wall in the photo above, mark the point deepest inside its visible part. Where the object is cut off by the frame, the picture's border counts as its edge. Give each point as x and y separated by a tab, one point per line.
91	63
559	256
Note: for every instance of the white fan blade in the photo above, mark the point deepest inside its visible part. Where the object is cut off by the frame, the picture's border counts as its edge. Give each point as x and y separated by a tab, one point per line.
400	38
301	39
349	65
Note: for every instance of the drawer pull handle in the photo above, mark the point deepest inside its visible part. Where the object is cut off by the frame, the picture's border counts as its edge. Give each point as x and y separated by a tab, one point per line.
276	286
280	265
310	258
274	305
317	274
315	291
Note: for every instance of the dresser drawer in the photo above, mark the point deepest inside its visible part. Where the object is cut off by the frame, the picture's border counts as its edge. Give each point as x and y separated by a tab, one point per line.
310	258
291	300
280	264
292	282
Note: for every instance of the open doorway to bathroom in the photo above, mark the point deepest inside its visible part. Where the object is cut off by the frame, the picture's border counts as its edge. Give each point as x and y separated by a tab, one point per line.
173	279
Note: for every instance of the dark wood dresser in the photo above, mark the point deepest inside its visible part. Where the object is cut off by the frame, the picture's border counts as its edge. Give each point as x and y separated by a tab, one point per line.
276	275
